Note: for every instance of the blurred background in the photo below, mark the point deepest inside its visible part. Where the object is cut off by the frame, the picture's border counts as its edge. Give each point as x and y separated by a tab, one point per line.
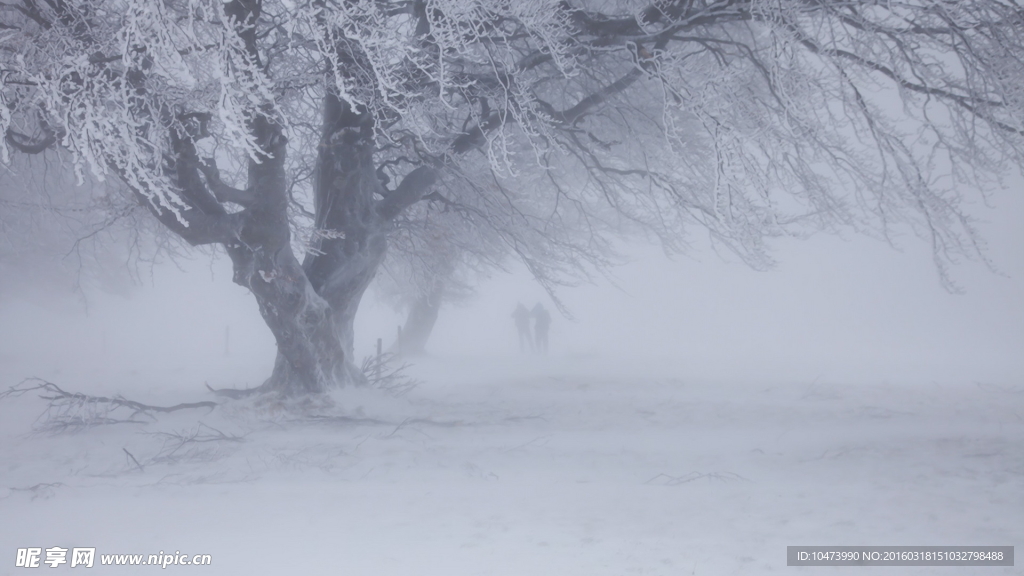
836	309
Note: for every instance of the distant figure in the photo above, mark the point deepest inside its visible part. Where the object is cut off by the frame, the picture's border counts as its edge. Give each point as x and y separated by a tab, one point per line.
542	321
522	318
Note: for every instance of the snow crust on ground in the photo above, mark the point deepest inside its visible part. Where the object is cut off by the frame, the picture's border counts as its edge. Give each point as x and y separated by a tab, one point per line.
571	466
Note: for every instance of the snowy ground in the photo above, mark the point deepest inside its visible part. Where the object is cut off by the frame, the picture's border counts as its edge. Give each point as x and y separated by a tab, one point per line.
562	467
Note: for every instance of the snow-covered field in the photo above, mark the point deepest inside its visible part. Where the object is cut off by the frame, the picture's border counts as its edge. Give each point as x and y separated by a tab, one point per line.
565	466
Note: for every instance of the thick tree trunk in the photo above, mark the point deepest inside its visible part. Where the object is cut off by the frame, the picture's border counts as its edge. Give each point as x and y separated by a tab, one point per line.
311	352
314	332
313	339
311	307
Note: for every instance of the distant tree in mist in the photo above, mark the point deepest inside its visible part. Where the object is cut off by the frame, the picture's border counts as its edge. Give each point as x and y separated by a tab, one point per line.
437	253
426	267
300	135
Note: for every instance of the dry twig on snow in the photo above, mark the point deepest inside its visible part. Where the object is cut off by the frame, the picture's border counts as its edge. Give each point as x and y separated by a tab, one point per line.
185	444
384	372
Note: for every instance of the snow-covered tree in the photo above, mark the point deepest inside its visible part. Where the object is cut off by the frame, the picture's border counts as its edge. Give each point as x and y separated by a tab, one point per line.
296	133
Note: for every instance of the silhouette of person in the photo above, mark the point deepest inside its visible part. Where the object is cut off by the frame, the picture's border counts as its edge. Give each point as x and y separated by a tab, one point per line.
542	321
522	318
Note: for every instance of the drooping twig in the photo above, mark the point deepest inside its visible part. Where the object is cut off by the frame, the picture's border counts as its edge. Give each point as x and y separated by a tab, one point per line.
132	456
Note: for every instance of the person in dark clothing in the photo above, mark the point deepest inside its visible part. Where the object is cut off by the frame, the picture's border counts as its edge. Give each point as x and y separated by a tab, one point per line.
522	318
542	321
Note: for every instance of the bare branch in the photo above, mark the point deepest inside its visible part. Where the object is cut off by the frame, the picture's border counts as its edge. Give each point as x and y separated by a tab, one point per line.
409	191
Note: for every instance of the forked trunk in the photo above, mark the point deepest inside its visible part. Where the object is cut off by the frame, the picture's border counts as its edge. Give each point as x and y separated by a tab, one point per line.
310	307
312	328
316	303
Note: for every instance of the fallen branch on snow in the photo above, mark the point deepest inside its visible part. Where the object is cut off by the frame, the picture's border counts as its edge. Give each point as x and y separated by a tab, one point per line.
41	490
666	480
184	444
74	410
234	393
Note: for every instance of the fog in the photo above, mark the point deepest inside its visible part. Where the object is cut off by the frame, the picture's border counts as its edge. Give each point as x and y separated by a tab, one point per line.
837	309
693	417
